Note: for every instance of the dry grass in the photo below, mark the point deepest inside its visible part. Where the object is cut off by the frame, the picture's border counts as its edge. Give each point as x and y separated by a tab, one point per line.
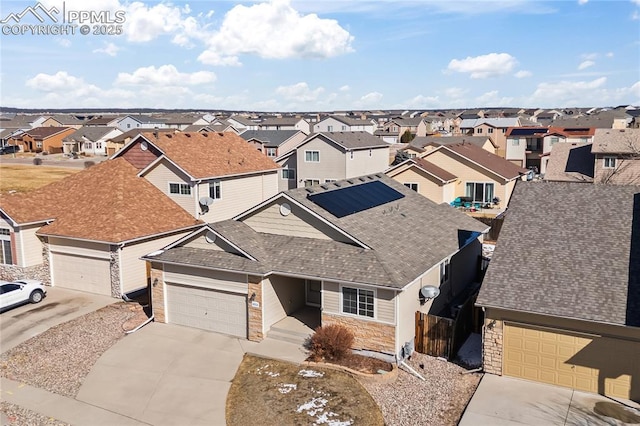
25	178
268	392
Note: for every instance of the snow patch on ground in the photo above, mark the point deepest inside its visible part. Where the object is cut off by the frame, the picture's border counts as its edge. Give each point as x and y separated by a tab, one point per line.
315	408
487	250
286	387
470	354
262	370
310	373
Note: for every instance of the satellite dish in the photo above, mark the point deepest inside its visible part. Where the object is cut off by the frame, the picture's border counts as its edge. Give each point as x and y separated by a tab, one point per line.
429	292
210	237
285	209
206	201
143	145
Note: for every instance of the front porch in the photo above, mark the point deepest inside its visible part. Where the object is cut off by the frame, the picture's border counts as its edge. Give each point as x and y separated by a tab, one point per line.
296	327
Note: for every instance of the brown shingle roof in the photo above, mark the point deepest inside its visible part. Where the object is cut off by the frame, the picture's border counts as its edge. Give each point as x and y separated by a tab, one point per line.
490	161
45	132
106	202
207	155
434	170
616	141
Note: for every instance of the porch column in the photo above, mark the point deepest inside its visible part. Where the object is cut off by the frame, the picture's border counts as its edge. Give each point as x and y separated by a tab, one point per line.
254	308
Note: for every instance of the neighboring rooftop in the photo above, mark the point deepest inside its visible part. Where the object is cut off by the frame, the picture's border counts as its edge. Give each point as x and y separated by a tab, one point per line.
270	138
616	141
570	162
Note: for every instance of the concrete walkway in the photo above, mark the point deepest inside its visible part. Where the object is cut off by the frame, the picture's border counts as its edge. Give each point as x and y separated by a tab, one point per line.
505	401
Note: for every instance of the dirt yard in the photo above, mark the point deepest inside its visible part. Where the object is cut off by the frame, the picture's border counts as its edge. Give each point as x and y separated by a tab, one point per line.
25	178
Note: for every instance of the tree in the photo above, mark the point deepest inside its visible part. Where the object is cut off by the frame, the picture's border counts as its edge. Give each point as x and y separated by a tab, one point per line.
400	157
407	137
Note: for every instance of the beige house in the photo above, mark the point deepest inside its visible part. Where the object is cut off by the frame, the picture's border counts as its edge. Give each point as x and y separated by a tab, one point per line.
562	293
481	175
617	156
330	156
426	179
421	144
332	250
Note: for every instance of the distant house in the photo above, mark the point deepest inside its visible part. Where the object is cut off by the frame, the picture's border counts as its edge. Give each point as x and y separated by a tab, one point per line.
570	162
331	251
242	123
336	123
62	120
613	119
273	143
39	139
495	128
130	122
329	156
561	296
116	143
285	123
422	144
617	156
399	125
89	140
426	179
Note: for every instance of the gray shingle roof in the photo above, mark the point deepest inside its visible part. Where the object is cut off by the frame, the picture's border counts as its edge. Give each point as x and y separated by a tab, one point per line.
569	250
351	140
616	141
271	138
88	133
396	256
422	141
570	162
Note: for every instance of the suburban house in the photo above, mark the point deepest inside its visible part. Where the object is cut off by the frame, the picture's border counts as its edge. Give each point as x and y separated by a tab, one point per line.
42	139
612	119
570	162
340	250
129	122
89	140
213	176
116	143
617	156
285	123
495	128
103	121
481	176
337	123
569	313
328	156
88	231
421	144
425	178
61	120
399	125
242	123
273	143
528	147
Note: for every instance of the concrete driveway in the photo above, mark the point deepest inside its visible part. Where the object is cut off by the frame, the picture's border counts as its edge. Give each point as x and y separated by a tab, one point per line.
166	374
24	322
503	400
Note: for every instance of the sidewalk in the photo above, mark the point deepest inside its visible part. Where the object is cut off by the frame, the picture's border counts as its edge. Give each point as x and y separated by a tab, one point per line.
64	409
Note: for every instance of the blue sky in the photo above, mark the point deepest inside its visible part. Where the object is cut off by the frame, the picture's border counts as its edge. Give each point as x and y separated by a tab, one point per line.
289	55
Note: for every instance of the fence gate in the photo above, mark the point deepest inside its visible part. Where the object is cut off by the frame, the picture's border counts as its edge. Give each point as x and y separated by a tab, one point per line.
434	335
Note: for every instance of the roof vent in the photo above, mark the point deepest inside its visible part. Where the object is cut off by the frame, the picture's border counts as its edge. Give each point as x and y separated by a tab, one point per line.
220	133
378	175
337	184
310	191
350	181
187	134
361	179
205	134
168	135
324	186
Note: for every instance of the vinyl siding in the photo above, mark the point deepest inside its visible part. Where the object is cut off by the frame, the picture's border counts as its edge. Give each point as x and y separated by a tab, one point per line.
288	163
331	165
202	243
281	297
216	280
80	248
298	223
363	164
627	171
133	270
449	192
238	194
164	173
291	143
28	246
384	308
428	186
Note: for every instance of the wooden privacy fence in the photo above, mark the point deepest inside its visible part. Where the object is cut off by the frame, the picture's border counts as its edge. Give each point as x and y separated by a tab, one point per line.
495	224
443	337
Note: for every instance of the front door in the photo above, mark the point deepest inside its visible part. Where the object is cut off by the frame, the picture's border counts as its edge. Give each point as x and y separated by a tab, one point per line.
313	290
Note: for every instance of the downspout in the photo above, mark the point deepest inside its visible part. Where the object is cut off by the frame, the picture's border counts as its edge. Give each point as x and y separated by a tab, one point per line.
151	318
197	202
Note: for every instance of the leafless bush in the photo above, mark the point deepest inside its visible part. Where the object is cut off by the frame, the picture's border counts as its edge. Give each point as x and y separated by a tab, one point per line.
330	342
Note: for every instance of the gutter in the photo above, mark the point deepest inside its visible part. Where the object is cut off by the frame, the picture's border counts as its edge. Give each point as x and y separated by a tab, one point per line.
126	299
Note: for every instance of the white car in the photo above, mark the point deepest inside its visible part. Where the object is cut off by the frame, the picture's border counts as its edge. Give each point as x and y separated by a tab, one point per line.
18	292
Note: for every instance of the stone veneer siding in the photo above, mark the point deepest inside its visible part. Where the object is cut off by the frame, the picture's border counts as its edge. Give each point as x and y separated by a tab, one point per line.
255	314
369	335
492	346
114	270
40	272
157	295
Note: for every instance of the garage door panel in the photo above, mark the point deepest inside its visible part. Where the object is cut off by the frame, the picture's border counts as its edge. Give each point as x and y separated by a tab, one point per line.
81	273
207	309
571	360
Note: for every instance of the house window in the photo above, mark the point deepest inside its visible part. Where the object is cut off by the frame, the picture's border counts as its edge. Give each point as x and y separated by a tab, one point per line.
311	182
344	128
504	130
370	152
480	192
490	130
479	130
38	144
351	155
357	301
411	155
515	142
584	140
6	257
214	190
87	145
609	162
271	152
179	188
554	140
444	272
329	128
312	156
128	125
98	145
394	129
329	180
288	174
413	186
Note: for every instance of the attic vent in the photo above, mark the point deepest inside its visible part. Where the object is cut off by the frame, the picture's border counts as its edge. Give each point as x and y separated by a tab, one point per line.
370	177
361	179
378	175
220	134
350	181
310	191
168	135
187	134
204	134
337	184
324	186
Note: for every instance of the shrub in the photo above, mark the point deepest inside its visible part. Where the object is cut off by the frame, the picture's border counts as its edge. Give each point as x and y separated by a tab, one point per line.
45	152
37	161
330	342
88	164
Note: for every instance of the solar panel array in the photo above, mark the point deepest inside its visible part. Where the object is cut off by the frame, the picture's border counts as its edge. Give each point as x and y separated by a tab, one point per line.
353	199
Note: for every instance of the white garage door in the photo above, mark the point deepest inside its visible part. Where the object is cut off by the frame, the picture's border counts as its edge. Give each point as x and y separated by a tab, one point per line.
81	273
207	309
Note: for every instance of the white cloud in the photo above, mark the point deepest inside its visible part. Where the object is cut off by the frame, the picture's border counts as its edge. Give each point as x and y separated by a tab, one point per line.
164	75
274	30
484	66
610	54
635	15
492	98
422	101
635	90
589	56
585	64
300	92
64	42
581	2
523	74
637	2
566	92
371	99
455	92
109	49
345	88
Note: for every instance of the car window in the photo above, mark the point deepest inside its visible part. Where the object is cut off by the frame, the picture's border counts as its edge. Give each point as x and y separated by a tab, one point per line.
9	287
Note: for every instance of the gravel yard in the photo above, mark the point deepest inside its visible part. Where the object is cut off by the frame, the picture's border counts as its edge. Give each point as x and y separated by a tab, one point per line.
19	416
440	400
60	358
